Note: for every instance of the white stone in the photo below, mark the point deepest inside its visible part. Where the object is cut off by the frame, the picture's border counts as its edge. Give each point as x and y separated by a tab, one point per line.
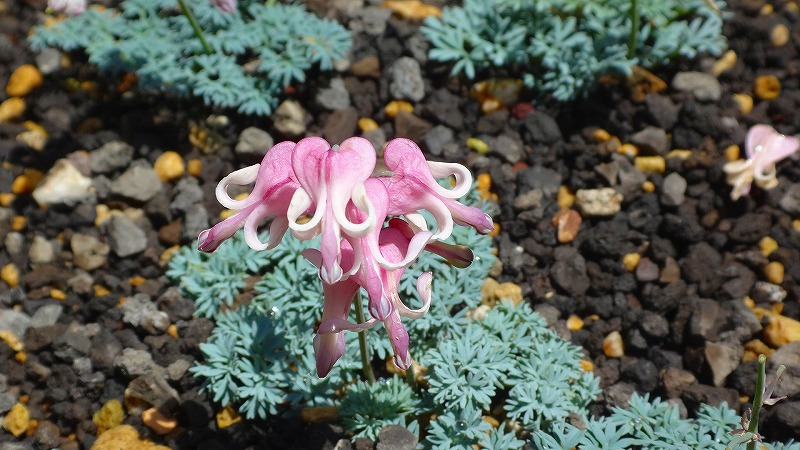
63	185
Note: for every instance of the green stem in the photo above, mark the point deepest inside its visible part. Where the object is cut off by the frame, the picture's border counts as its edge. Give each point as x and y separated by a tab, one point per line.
634	13
411	379
195	27
758	399
369	377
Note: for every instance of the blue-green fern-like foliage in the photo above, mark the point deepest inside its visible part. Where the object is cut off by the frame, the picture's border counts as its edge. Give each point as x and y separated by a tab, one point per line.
257	51
562	48
366	408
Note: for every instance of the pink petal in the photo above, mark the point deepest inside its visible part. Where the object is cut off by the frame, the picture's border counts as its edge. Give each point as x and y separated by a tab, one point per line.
329	347
398	337
757	138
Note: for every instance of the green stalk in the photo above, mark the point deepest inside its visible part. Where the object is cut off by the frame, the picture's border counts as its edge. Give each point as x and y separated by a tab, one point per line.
411	380
634	13
366	367
195	27
758	400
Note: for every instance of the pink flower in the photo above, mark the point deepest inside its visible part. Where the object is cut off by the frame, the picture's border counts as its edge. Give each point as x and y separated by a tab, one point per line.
275	184
68	7
413	187
764	148
226	6
331	179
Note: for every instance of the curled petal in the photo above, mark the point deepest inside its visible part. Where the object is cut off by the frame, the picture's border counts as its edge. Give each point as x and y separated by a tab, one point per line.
459	256
275	170
398	337
463	178
239	177
209	240
425	293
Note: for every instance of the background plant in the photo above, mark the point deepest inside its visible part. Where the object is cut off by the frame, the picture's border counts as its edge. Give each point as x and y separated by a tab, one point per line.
257	51
562	48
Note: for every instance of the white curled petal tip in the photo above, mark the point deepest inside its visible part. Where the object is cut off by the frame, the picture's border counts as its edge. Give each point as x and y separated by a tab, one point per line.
337	325
425	293
417	221
766	180
416	245
300	202
402	361
362	202
239	177
462	174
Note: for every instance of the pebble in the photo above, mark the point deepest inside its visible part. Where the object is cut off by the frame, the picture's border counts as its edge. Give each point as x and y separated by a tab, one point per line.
41	251
177	369
568	273
774	272
675	380
598	202
368	66
396	437
647	270
14	321
17	420
11	109
335	96
124	237
169	166
139	311
134	362
726	62
790	201
745	103
47	315
650	164
254	142
662	110
704	87
410	126
631	261
767	87
124	436
24	80
63	185
673	190
158	422
139	183
435	139
509	148
541	128
340	125
652	140
567	222
88	252
110	157
371	20
290	118
779	35
47	434
412	9
405	80
48	60
723	359
14	242
613	346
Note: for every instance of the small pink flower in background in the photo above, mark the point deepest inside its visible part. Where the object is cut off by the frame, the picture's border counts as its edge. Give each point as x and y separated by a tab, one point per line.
69	7
764	148
226	6
314	189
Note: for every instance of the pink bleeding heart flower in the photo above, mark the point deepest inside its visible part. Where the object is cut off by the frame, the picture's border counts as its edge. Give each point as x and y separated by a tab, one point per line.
68	7
275	184
412	187
331	178
764	148
226	6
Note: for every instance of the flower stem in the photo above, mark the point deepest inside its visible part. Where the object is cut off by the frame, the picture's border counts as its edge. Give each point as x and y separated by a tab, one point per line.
366	367
195	27
758	399
634	14
411	378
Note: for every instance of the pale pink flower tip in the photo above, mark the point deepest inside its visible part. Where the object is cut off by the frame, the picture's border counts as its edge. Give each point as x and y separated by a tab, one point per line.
764	148
226	6
68	7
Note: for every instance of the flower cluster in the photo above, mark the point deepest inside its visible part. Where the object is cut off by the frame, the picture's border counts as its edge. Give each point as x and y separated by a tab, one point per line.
764	147
370	226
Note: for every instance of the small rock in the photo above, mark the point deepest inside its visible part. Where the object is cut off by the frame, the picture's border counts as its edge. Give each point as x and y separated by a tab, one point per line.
541	128
697	394
406	81
17	420
651	140
598	202
111	156
529	200
542	178
15	322
124	436
674	381
335	96
48	61
88	252
613	347
158	422
290	118
47	434
707	320
702	86
654	325
662	111
510	149
372	21
254	141
368	66
124	237
14	242
139	183
341	124
435	139
673	190
567	223
569	272
409	126
790	202
134	362
619	395
63	185
46	315
23	80
11	109
722	359
647	270
41	251
177	369
169	166
396	437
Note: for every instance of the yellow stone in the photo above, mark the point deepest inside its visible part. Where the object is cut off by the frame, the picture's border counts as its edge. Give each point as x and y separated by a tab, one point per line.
796	224
158	422
745	103
791	7
781	330
732	152
779	35
366	124
628	150
100	290
172	330
33	139
574	323
11	340
194	167
493	292
478	145
726	62
766	10
494	231
648	186
679	153
774	272
484	182
227	417
17	420
11	109
136	280
754	348
225	213
631	261
767	245
109	416
169	166
565	197
18	223
6	198
587	366
33	126
613	346
319	414
23	80
650	164
412	9
395	106
124	437
767	87
58	294
101	213
494	423
168	253
601	135
21	357
10	274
